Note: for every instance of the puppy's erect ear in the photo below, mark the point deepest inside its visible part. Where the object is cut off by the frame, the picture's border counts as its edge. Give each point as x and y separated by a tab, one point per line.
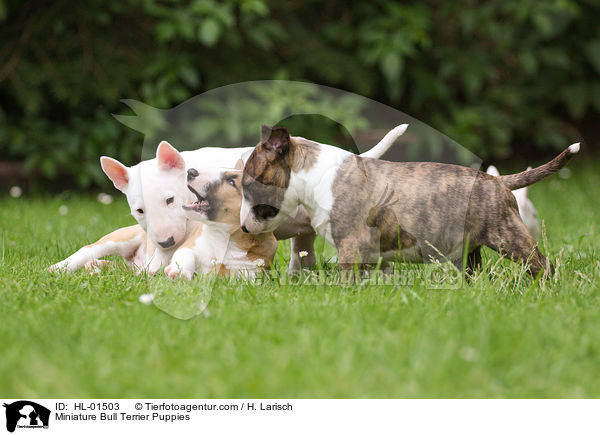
239	165
279	140
168	157
116	171
265	133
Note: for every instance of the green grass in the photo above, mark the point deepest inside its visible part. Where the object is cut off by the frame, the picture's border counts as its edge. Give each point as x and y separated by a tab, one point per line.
502	335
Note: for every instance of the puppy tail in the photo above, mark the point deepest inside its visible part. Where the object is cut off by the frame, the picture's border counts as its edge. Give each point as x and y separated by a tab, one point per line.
526	178
384	144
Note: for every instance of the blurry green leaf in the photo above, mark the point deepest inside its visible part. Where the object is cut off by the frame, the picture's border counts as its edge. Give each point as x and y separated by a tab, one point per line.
543	22
48	168
189	76
592	50
209	32
391	65
165	31
576	99
528	61
595	95
258	7
472	81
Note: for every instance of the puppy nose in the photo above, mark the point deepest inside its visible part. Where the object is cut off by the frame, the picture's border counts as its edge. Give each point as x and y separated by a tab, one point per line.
167	243
244	229
192	173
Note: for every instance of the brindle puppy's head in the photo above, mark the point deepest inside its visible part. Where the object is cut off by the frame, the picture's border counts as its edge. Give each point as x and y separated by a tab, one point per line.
218	196
265	180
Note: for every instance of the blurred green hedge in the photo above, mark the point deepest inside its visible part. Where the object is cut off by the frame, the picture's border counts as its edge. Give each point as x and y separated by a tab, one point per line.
500	77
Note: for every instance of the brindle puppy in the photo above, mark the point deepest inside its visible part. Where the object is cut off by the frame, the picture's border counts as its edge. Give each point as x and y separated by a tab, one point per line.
370	208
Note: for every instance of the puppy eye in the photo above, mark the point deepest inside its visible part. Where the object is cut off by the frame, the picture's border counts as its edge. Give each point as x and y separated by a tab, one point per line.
170	200
140	211
231	181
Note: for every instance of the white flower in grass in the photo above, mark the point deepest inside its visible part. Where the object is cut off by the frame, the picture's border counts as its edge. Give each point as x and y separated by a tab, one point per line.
104	198
213	261
259	262
15	192
63	210
303	254
146	298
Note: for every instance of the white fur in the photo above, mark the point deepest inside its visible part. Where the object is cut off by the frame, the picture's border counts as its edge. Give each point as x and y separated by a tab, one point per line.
320	200
526	208
212	248
378	150
87	254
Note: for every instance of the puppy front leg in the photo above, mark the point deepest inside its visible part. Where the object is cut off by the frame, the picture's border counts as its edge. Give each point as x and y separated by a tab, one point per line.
298	227
183	264
124	242
158	260
303	252
349	257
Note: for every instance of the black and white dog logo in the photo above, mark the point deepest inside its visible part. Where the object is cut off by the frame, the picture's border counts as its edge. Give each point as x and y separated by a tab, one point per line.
26	414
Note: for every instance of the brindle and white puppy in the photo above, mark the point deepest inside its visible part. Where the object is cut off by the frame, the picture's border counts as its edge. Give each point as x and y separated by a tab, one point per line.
370	208
219	245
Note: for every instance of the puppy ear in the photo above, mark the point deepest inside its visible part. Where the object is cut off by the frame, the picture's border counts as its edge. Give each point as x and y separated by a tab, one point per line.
265	133
168	157
279	140
239	165
116	171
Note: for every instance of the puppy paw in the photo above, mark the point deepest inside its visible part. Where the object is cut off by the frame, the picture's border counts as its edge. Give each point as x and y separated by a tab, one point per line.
61	266
96	266
173	271
152	270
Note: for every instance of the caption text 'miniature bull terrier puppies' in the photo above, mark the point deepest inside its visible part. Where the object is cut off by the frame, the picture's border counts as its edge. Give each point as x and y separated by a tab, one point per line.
370	208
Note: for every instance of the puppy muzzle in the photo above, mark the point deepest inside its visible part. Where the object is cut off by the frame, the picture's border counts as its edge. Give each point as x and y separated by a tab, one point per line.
167	243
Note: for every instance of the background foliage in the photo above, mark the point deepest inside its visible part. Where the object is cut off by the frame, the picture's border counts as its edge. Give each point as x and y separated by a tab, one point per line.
501	77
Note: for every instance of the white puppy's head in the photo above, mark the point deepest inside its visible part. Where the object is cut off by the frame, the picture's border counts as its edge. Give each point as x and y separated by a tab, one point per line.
155	191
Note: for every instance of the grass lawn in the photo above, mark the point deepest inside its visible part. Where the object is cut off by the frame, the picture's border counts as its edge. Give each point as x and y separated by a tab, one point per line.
502	335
